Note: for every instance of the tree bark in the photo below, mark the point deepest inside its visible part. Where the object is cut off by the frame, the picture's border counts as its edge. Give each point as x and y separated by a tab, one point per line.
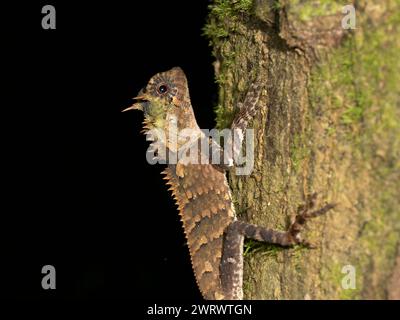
328	122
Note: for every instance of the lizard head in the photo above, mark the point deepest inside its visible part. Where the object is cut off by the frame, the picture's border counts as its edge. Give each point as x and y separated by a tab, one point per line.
164	98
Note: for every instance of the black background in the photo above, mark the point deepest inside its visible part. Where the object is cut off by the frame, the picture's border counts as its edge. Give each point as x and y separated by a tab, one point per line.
77	190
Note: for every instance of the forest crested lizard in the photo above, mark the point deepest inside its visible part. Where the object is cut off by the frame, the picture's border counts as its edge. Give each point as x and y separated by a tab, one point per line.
214	235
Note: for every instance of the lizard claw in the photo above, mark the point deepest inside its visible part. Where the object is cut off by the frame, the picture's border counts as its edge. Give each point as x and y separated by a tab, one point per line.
304	213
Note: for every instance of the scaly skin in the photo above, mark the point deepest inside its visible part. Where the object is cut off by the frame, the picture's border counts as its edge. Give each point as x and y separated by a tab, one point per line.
205	206
214	235
201	190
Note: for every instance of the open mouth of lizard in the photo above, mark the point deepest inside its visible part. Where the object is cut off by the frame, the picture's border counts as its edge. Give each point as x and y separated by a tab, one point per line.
140	103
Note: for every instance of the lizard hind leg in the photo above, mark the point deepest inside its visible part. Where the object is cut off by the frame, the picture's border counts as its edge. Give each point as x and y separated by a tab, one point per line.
284	238
305	213
231	267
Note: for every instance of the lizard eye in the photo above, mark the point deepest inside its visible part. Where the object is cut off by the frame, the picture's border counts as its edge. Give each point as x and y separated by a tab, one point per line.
162	89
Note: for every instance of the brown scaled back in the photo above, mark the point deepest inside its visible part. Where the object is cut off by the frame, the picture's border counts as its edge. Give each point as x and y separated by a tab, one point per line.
200	190
205	206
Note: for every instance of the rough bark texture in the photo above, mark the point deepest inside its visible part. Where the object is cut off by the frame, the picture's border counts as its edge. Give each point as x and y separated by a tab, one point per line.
328	122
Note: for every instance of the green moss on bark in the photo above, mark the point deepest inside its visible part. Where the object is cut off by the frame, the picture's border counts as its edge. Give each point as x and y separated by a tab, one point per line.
308	10
354	95
329	124
223	14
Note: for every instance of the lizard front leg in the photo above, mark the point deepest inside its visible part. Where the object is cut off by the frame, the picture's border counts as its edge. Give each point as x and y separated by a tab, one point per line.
233	144
231	268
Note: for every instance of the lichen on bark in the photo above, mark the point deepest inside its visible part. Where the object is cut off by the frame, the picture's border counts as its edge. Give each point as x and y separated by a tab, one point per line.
328	122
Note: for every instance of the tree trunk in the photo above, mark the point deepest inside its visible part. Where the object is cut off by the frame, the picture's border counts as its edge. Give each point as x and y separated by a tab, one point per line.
328	122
